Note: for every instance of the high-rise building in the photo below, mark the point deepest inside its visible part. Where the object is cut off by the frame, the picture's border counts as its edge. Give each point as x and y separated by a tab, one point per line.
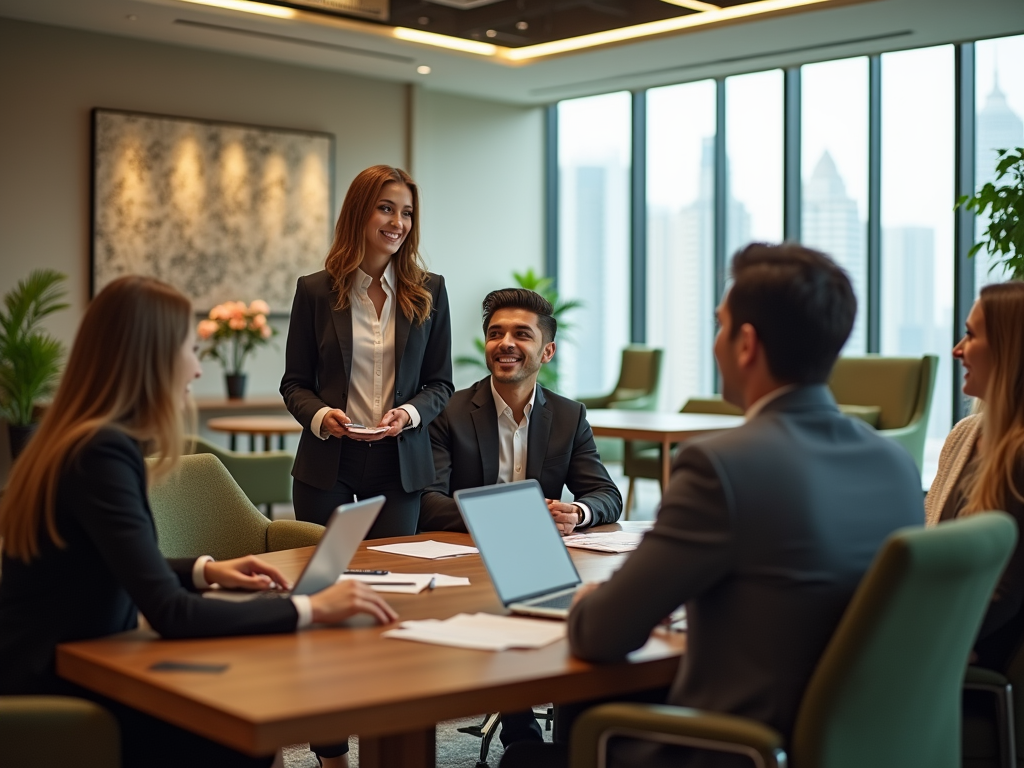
832	223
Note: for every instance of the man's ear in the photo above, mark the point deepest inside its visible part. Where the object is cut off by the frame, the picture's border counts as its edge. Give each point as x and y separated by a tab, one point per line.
747	346
548	353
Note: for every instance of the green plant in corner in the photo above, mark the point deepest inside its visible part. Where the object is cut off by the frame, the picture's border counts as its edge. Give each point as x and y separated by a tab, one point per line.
548	376
1003	237
30	358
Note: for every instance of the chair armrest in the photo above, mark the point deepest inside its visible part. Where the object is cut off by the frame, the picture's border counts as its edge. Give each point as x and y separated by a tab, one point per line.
638	403
291	534
987	679
29	724
672	725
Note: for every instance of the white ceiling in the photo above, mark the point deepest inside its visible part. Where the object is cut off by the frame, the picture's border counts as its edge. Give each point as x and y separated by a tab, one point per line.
847	30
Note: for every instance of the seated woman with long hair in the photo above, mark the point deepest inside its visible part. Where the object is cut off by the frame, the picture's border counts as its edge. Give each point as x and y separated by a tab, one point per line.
80	554
982	462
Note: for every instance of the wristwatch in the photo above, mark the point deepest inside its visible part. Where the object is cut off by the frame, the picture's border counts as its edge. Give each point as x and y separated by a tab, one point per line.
579	514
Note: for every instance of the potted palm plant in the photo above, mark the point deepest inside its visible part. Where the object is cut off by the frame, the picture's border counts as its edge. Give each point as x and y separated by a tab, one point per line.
1003	237
30	358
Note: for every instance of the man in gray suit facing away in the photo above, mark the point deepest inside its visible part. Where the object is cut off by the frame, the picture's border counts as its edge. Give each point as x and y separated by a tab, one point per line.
764	531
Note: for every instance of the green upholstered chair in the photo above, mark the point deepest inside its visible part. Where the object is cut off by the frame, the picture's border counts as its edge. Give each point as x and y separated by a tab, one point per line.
55	732
901	387
636	390
892	394
266	478
886	692
200	510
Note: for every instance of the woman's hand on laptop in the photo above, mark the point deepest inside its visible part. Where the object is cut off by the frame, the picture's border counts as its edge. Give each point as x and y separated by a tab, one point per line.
247	572
348	598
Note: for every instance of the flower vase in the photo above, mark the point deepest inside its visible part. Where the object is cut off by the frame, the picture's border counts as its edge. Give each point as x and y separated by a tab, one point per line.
236	385
19	435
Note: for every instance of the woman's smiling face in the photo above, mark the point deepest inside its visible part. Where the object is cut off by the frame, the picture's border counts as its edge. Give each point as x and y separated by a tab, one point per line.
390	222
974	352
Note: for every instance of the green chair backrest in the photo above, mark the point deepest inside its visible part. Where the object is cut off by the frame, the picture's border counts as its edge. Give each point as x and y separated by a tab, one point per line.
639	374
32	729
200	510
266	477
886	692
899	386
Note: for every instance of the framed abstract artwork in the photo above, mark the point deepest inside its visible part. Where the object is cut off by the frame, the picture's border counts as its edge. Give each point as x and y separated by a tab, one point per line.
219	210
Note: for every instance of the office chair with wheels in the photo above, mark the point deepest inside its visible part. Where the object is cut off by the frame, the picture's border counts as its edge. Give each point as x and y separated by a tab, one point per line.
886	692
30	726
200	510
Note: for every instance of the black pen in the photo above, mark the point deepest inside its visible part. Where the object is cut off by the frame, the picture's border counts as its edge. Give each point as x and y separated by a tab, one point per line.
366	572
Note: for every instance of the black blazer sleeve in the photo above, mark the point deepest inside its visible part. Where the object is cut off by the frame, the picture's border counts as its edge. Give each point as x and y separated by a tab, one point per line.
108	480
299	384
587	478
435	370
691	542
438	511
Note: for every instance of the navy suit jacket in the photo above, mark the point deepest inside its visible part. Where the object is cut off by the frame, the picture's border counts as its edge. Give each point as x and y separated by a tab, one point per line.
318	366
764	533
560	453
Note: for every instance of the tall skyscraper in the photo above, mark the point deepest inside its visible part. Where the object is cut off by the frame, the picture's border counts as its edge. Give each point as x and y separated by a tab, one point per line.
831	223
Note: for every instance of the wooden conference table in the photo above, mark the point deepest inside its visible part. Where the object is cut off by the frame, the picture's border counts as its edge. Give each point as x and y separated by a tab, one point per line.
321	684
268	426
658	427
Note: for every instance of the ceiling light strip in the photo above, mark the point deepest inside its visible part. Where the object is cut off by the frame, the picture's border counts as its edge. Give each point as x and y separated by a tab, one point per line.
694	5
249	7
654	28
445	41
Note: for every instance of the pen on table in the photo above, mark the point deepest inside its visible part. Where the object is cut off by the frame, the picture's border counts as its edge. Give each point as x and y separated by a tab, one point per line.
390	583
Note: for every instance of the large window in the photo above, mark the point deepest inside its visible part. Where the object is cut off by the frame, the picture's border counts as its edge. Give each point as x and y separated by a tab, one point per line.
594	151
753	140
834	167
680	236
999	123
918	161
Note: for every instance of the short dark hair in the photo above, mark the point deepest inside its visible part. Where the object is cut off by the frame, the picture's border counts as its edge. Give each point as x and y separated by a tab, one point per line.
522	298
801	304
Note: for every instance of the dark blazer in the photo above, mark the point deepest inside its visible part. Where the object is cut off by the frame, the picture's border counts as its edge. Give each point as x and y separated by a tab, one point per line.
109	569
318	365
560	452
764	533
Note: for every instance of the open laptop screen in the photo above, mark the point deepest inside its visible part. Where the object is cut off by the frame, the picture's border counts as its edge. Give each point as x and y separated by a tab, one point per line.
517	539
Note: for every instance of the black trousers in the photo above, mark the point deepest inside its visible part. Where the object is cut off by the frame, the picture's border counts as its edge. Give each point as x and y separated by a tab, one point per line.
364	470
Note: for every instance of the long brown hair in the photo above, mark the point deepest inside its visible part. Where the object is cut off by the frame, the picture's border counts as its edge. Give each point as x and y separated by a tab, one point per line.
1002	408
349	244
121	374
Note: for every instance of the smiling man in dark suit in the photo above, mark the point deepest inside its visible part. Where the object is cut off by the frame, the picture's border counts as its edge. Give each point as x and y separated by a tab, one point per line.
506	428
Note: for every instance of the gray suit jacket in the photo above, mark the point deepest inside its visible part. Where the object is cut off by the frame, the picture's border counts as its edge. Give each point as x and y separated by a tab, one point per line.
764	533
560	453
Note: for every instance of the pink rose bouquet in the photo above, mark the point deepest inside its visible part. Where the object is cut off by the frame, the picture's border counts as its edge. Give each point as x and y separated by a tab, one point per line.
233	330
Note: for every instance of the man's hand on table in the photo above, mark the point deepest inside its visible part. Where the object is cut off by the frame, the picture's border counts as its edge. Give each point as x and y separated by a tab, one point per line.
346	599
247	572
566	516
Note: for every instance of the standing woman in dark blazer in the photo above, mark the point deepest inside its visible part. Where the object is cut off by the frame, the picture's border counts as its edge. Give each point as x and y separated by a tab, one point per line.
80	554
369	343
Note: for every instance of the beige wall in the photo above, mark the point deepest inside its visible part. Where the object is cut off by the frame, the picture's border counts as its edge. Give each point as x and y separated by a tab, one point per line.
479	164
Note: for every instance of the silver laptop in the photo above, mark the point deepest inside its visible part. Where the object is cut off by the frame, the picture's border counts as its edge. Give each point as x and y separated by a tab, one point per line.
521	547
346	529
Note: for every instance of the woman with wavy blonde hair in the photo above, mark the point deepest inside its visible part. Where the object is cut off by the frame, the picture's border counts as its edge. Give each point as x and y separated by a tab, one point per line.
982	462
368	362
79	546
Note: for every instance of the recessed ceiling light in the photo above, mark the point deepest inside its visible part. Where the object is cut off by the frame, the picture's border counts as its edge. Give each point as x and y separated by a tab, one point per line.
423	69
424	20
444	41
491	33
522	26
132	17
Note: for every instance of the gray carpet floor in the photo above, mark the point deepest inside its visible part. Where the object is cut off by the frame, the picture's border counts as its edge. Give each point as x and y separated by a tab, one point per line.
454	749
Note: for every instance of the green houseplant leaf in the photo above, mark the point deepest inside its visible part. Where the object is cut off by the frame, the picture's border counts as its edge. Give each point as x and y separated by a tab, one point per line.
30	358
1003	205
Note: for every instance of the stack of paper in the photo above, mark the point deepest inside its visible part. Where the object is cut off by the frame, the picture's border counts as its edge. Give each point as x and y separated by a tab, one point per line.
482	632
406	583
429	550
613	541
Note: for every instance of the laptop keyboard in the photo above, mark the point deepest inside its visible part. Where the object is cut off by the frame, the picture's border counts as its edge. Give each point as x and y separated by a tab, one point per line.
558	601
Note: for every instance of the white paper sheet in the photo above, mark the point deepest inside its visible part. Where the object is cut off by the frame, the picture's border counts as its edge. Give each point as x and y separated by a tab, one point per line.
398	583
612	541
481	631
428	550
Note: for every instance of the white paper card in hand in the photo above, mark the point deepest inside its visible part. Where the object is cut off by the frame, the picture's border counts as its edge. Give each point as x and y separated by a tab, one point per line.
429	550
481	631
